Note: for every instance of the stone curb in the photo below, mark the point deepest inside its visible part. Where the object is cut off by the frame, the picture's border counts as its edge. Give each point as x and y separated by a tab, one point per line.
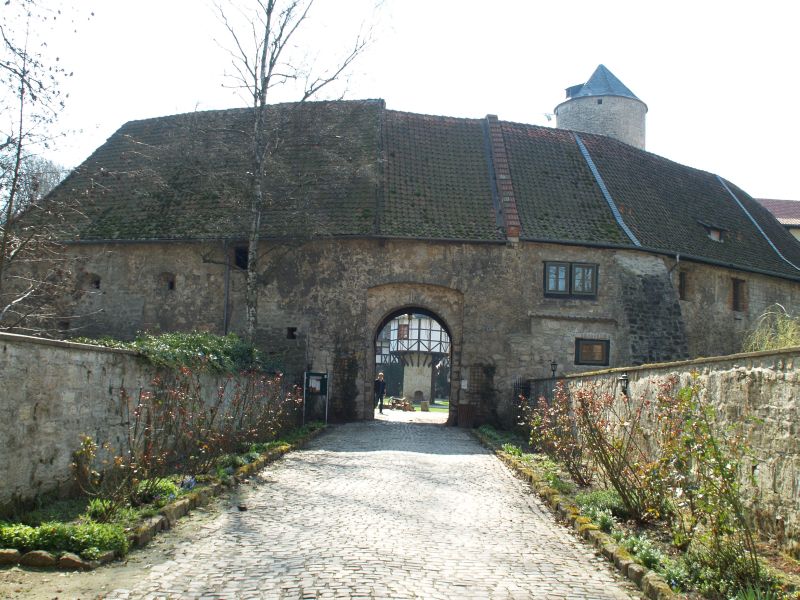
147	530
651	583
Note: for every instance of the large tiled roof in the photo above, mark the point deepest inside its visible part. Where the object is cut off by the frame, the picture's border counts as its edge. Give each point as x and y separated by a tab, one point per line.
437	179
185	176
356	169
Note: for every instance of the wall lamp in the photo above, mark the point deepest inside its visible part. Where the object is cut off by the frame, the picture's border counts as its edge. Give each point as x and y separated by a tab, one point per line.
623	381
553	367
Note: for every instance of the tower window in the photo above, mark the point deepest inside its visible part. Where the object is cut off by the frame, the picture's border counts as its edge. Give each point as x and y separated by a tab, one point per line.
291	333
599	100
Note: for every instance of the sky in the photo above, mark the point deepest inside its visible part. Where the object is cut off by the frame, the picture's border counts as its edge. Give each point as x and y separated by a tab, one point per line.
719	78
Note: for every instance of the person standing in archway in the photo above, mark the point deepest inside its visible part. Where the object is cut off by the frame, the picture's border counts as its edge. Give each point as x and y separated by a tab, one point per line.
380	391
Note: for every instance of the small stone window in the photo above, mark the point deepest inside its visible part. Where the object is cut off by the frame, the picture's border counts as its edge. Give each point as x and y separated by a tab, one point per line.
241	256
739	295
291	333
63	325
167	281
570	279
683	282
599	100
91	281
592	352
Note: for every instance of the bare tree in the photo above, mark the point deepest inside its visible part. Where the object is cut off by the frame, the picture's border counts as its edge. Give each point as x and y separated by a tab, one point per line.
32	273
262	60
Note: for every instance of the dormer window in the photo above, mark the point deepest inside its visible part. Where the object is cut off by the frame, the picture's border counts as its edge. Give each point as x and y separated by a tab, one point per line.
714	232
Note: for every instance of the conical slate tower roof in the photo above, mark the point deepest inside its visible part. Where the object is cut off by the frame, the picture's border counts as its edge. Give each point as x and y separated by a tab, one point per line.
602	83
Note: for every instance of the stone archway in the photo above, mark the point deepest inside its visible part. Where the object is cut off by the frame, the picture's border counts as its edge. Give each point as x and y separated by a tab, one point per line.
444	304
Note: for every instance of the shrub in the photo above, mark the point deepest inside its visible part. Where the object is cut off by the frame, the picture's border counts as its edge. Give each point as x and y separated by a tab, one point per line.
153	490
100	509
601	500
775	329
618	444
198	350
554	429
49	508
65	537
643	550
676	574
602	517
511	449
174	432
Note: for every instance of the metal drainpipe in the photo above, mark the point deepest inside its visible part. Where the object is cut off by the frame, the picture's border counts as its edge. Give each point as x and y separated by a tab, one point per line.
227	287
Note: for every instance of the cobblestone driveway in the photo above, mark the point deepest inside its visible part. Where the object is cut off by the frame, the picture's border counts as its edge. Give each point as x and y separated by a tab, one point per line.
386	509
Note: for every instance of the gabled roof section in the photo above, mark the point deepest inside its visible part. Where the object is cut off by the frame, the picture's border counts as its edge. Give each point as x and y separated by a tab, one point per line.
602	83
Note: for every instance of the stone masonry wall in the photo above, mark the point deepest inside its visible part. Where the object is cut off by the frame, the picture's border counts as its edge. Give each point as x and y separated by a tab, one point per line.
54	392
322	302
764	385
713	328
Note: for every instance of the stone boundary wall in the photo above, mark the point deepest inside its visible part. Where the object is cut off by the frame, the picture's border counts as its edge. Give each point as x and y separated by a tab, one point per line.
763	385
53	392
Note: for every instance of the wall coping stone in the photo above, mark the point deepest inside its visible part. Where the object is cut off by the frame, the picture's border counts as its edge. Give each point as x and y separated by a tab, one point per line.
785	352
29	339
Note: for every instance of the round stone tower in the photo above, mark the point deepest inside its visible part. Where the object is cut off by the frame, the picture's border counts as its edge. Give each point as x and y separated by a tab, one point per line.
605	106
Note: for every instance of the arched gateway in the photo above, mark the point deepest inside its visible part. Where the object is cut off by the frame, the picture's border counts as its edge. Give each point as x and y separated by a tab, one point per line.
409	304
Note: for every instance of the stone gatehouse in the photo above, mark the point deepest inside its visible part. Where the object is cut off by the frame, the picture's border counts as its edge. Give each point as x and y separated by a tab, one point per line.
535	248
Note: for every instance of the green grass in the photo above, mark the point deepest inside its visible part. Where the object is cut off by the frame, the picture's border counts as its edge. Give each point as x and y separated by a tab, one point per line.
55	510
441	406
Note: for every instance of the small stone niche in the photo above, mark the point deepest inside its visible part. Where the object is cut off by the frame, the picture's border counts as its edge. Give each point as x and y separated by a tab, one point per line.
166	282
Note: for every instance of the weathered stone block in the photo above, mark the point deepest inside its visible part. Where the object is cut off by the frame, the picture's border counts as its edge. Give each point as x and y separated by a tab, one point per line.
655	587
38	558
635	573
608	550
9	556
73	562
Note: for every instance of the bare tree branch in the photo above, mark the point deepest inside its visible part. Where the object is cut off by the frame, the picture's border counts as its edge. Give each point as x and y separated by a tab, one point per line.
258	69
